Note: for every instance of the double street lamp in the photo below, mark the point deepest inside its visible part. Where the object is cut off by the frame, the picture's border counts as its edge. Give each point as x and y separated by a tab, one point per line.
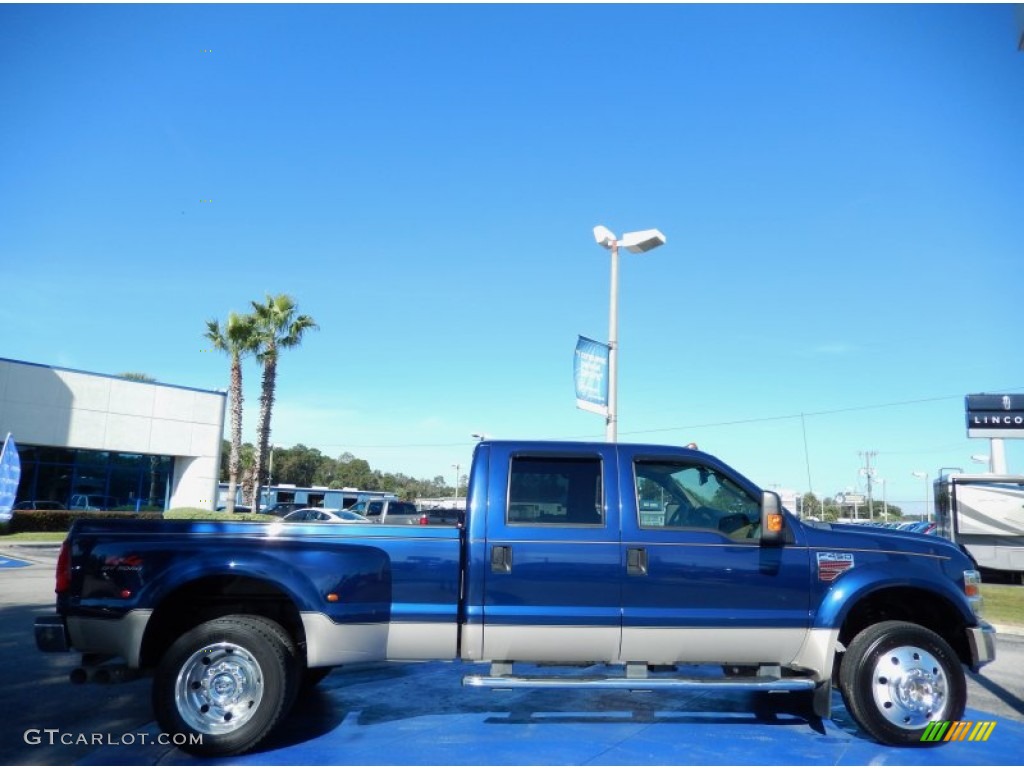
634	242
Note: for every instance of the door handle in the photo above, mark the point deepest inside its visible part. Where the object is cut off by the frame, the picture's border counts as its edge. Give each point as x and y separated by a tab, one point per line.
636	561
501	559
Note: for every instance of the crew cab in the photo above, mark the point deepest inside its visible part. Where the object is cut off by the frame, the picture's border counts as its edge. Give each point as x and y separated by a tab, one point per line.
640	558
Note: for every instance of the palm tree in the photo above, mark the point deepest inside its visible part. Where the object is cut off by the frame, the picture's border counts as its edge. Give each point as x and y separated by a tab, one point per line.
277	326
238	339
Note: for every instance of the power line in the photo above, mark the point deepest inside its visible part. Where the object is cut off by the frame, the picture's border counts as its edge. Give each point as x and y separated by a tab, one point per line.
828	412
736	422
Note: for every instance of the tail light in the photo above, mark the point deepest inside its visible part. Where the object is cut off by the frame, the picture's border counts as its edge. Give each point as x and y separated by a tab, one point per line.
424	520
63	568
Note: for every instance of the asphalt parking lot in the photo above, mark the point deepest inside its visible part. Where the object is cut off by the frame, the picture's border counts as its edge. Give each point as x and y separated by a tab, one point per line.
418	714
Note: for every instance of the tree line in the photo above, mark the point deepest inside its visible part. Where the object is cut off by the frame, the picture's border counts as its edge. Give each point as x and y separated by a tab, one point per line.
303	466
828	511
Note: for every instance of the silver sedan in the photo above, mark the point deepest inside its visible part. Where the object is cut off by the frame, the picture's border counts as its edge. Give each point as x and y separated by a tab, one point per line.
319	515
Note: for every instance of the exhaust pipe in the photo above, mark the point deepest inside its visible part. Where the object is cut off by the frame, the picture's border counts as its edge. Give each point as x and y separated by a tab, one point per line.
109	674
81	675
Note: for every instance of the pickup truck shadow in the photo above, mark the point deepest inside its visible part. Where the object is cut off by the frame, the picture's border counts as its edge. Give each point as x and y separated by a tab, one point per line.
37	695
1007	697
380	694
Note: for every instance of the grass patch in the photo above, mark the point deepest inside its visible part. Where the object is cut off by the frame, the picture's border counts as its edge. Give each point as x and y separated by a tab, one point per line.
1004	604
30	536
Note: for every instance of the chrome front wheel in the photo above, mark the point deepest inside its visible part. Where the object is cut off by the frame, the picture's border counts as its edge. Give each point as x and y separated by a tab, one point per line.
910	687
897	677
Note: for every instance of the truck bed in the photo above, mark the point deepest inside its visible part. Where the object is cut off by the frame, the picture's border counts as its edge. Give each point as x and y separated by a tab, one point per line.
361	592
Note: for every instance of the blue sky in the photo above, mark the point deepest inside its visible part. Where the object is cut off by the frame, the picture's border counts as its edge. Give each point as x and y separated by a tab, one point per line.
840	187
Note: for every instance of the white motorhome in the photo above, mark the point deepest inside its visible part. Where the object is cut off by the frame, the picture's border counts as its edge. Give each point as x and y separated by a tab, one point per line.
985	513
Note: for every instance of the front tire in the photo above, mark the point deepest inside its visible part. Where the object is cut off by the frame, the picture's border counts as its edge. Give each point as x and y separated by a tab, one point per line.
229	680
897	677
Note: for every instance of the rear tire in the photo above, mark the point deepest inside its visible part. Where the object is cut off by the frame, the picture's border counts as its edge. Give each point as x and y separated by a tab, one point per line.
898	677
228	681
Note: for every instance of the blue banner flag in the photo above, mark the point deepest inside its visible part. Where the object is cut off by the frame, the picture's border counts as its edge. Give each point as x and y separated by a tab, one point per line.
590	370
10	474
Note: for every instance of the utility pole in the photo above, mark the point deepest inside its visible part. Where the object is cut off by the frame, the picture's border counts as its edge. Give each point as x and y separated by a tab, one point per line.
868	472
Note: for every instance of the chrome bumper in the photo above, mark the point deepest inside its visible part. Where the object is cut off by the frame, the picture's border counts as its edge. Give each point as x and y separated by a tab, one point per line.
113	637
982	642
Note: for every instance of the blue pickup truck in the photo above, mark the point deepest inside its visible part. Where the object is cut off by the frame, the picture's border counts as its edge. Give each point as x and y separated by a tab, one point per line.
637	558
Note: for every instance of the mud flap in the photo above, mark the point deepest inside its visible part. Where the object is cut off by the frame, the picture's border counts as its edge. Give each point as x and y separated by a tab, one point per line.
822	700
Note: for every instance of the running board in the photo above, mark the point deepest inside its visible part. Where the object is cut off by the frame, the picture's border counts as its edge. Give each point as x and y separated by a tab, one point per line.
643	683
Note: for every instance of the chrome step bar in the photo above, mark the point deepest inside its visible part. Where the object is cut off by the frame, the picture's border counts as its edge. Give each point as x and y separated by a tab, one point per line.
643	683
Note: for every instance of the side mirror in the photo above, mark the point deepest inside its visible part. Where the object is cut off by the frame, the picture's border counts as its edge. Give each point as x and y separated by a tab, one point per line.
773	522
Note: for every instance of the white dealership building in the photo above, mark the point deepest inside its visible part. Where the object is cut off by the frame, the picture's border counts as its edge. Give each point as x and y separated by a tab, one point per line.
90	440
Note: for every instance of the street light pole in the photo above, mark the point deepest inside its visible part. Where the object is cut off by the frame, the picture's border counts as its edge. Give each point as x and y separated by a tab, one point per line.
458	467
634	242
927	510
885	505
611	421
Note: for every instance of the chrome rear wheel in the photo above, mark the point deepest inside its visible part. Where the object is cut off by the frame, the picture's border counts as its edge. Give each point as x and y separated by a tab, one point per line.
219	688
226	683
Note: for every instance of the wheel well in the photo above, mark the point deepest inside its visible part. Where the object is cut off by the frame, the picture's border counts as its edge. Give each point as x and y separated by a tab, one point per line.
917	606
208	598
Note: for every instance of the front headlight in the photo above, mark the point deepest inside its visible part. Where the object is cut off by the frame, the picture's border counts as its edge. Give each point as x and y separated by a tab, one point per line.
972	588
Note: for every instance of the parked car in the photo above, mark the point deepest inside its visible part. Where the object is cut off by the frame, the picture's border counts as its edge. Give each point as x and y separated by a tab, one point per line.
317	515
282	508
388	511
39	504
440	516
92	502
239	508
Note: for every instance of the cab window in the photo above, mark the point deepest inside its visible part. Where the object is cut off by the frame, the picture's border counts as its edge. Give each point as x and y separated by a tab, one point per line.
555	491
694	496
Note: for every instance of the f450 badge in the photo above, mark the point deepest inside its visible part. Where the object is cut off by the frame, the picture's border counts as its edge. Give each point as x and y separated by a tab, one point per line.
831	564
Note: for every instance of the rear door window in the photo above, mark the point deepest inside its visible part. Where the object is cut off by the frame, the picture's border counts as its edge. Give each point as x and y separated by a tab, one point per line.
555	491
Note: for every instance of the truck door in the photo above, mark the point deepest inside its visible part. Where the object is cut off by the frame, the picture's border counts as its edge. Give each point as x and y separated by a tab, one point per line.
697	584
552	563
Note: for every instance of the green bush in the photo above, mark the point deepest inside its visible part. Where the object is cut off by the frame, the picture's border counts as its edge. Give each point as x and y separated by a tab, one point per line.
60	520
194	513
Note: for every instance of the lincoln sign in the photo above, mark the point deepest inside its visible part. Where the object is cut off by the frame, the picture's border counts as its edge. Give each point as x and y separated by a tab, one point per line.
995	415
